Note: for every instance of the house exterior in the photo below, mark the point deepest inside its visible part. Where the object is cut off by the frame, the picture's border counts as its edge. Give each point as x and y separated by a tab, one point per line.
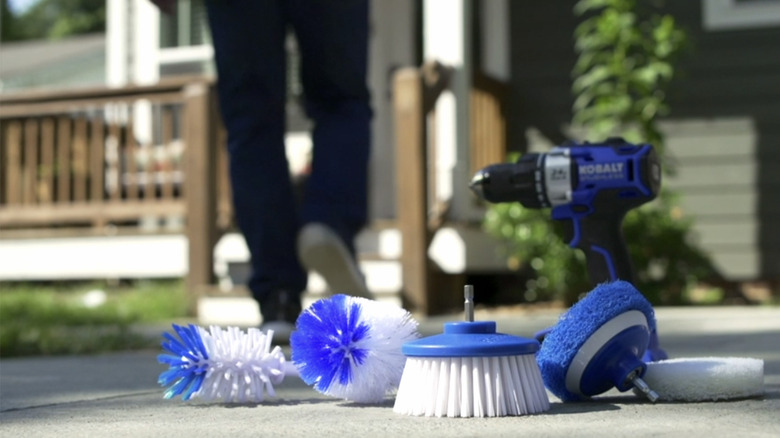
144	45
74	62
721	132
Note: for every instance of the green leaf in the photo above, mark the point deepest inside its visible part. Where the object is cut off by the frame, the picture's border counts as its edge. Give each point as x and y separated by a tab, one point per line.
584	6
586	28
587	97
594	76
52	19
592	41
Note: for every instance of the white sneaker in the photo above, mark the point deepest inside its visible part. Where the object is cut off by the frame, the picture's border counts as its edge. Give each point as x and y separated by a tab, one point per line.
322	250
281	331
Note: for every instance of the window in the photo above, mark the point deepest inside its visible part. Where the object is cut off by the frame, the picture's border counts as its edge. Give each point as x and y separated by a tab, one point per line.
740	14
185	43
188	27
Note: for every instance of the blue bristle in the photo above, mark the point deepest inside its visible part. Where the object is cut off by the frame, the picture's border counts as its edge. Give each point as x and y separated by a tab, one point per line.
574	327
186	360
324	342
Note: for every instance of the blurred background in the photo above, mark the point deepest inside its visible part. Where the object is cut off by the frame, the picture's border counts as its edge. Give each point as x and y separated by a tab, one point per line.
114	200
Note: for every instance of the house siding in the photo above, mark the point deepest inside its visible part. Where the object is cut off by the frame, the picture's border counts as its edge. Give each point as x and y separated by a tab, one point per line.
722	133
76	61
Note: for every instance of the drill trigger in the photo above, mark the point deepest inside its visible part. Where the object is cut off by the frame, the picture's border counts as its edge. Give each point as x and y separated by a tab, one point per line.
571	232
607	261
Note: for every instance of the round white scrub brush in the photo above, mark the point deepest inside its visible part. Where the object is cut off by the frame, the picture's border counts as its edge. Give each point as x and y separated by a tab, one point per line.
350	347
471	371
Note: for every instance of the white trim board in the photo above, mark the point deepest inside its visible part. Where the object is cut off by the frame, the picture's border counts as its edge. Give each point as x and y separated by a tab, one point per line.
734	14
153	256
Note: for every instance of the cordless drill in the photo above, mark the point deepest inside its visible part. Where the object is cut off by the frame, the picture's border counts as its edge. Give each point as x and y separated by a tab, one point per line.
590	187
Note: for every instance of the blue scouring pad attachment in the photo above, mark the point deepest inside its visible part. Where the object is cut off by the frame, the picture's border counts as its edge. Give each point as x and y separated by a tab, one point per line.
470	370
597	344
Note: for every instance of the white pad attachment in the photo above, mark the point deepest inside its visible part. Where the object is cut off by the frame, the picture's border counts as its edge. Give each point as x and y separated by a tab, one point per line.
706	378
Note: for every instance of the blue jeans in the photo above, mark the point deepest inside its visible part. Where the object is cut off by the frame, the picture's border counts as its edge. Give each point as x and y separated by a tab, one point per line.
249	44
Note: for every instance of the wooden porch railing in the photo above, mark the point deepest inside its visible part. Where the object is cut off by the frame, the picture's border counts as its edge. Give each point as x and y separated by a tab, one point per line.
415	93
88	158
79	159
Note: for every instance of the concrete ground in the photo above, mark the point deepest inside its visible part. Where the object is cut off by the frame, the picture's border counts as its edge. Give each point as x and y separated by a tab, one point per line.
117	395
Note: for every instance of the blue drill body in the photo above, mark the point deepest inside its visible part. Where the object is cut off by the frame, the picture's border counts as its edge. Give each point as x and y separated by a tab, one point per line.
590	188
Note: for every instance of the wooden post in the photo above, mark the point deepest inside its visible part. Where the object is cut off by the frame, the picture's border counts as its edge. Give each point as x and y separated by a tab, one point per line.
30	181
96	172
63	166
412	187
13	162
415	92
96	155
129	149
488	122
46	186
200	180
79	164
166	120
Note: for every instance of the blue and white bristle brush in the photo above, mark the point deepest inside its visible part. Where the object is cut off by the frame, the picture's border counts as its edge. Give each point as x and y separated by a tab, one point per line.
227	365
350	347
347	347
471	371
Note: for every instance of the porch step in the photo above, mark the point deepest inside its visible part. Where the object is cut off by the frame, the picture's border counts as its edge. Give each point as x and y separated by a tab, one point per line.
36	257
236	306
454	249
379	249
93	257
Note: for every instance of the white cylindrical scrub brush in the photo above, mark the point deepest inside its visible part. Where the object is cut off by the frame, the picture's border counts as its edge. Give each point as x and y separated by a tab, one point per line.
471	371
227	365
346	347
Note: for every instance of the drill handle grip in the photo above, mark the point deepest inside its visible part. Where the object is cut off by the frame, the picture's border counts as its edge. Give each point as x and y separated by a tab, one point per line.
606	254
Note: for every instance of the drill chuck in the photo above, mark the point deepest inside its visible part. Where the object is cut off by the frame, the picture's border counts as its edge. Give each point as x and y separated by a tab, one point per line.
511	182
535	180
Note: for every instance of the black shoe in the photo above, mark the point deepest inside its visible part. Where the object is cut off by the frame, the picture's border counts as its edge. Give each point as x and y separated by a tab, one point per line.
280	310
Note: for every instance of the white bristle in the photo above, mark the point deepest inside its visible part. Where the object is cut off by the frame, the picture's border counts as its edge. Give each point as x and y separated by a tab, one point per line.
471	387
242	367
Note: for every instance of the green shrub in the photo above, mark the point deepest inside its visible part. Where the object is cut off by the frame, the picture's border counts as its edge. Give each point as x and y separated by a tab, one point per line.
534	246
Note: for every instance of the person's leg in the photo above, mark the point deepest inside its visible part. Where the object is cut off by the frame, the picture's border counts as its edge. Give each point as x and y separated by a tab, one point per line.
333	39
248	38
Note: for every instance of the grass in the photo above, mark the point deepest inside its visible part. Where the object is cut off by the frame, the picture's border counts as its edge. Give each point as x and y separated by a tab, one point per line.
81	318
703	295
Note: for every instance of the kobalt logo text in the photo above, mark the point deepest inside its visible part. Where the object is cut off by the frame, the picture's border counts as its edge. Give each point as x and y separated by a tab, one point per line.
595	169
601	171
